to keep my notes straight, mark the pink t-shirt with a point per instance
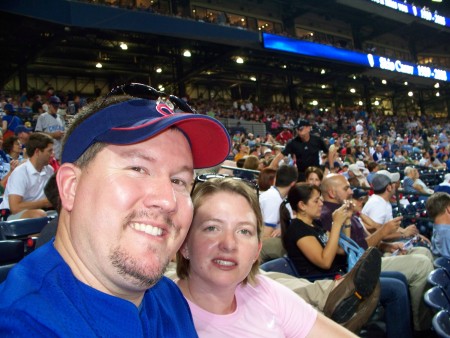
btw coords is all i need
(267, 310)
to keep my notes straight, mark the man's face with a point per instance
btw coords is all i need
(53, 108)
(341, 189)
(131, 211)
(304, 131)
(24, 137)
(45, 154)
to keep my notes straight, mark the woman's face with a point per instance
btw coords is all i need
(313, 207)
(222, 244)
(313, 179)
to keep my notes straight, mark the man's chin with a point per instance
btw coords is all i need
(143, 275)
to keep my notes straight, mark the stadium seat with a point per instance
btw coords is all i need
(22, 228)
(437, 299)
(442, 262)
(439, 277)
(11, 251)
(282, 264)
(441, 324)
(285, 265)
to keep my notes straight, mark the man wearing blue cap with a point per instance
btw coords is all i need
(124, 184)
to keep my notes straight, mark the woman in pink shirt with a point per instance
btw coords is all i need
(218, 271)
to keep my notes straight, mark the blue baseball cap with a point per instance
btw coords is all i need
(21, 128)
(9, 107)
(137, 120)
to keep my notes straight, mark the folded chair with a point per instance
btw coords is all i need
(439, 277)
(437, 299)
(441, 324)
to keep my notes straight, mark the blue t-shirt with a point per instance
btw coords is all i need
(408, 186)
(42, 298)
(440, 241)
(12, 122)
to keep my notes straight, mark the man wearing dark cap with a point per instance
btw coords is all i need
(304, 149)
(51, 124)
(124, 185)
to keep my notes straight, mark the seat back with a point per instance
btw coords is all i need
(442, 262)
(22, 228)
(11, 251)
(437, 299)
(441, 324)
(439, 277)
(282, 264)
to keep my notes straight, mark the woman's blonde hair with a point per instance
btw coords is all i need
(204, 190)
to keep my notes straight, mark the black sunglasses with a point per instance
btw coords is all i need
(143, 91)
(205, 177)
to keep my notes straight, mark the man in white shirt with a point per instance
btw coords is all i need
(24, 195)
(270, 202)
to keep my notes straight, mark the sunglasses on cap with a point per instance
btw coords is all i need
(143, 91)
(205, 177)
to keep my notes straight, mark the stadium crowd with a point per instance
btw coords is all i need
(343, 157)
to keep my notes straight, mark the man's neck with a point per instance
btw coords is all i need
(384, 196)
(283, 191)
(38, 166)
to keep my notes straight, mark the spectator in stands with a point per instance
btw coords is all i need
(356, 177)
(270, 200)
(444, 186)
(314, 175)
(373, 167)
(359, 128)
(23, 133)
(284, 136)
(243, 151)
(9, 121)
(251, 162)
(438, 209)
(378, 154)
(227, 295)
(304, 149)
(267, 157)
(412, 184)
(350, 155)
(387, 153)
(336, 191)
(129, 186)
(379, 209)
(443, 138)
(36, 107)
(52, 124)
(13, 149)
(24, 193)
(311, 249)
(425, 161)
(398, 157)
(266, 179)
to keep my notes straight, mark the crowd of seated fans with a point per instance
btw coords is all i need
(417, 154)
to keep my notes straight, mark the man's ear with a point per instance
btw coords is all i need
(67, 179)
